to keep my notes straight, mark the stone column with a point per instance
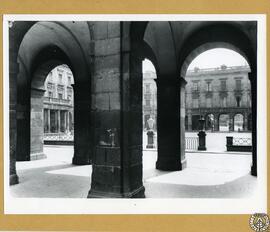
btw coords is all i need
(13, 72)
(49, 121)
(231, 122)
(245, 119)
(189, 121)
(117, 163)
(183, 83)
(253, 81)
(23, 117)
(44, 120)
(36, 151)
(58, 121)
(216, 122)
(68, 122)
(23, 131)
(82, 127)
(55, 121)
(168, 124)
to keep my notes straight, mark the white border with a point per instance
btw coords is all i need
(145, 206)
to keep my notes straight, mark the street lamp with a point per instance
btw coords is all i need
(201, 135)
(201, 123)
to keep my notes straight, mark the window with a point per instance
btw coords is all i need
(60, 77)
(238, 84)
(49, 85)
(223, 102)
(238, 100)
(195, 86)
(50, 76)
(60, 95)
(208, 86)
(208, 102)
(195, 103)
(69, 80)
(223, 85)
(50, 94)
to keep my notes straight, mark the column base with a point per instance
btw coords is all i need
(13, 179)
(81, 160)
(254, 170)
(23, 157)
(138, 193)
(37, 156)
(184, 164)
(166, 164)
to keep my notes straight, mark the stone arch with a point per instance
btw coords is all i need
(40, 46)
(162, 38)
(238, 36)
(224, 120)
(209, 121)
(238, 124)
(36, 101)
(204, 47)
(219, 35)
(17, 31)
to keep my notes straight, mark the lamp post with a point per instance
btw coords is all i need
(201, 135)
(150, 133)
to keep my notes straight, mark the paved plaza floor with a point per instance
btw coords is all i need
(208, 175)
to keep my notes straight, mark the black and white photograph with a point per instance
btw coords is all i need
(134, 114)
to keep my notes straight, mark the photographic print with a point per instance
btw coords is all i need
(134, 115)
(164, 113)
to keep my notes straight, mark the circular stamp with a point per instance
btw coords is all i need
(259, 222)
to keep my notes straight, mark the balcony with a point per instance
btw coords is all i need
(209, 94)
(195, 94)
(238, 92)
(57, 101)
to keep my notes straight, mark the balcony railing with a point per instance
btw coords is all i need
(192, 143)
(57, 101)
(219, 69)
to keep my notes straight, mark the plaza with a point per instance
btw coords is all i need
(214, 173)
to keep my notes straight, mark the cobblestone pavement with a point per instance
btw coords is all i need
(207, 175)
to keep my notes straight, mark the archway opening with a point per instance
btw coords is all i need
(224, 123)
(149, 108)
(58, 102)
(238, 122)
(52, 109)
(217, 95)
(217, 83)
(209, 122)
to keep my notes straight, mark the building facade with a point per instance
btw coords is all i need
(58, 101)
(221, 96)
(149, 98)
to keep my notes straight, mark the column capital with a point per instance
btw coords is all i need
(38, 90)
